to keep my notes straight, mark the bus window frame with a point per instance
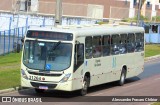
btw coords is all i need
(78, 63)
(89, 54)
(115, 44)
(97, 47)
(106, 45)
(123, 44)
(139, 46)
(131, 42)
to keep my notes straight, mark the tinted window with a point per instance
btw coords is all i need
(106, 45)
(88, 47)
(79, 54)
(97, 50)
(131, 42)
(139, 46)
(115, 42)
(123, 44)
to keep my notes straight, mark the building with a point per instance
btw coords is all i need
(117, 9)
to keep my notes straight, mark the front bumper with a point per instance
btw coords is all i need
(66, 86)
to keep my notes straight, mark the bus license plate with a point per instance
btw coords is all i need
(43, 87)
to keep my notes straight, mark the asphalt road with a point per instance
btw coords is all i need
(146, 84)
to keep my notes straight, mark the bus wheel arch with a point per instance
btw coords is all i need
(123, 75)
(87, 74)
(85, 84)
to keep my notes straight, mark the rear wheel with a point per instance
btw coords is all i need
(85, 86)
(39, 90)
(123, 77)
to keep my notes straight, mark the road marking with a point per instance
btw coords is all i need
(131, 85)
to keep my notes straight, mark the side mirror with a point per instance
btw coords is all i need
(22, 40)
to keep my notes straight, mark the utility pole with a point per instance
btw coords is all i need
(58, 14)
(139, 13)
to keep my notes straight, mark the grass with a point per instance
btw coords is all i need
(152, 49)
(10, 59)
(157, 103)
(10, 67)
(9, 78)
(10, 70)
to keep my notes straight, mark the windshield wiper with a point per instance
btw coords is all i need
(58, 43)
(46, 56)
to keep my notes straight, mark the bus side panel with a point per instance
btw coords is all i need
(139, 57)
(107, 71)
(77, 78)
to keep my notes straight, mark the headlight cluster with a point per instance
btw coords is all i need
(24, 74)
(65, 78)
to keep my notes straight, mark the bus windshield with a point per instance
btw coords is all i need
(40, 55)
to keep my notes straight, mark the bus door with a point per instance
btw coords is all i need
(78, 68)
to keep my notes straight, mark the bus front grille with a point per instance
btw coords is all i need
(43, 74)
(36, 85)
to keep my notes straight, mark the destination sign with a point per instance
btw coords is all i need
(50, 35)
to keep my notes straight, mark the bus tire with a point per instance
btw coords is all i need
(39, 90)
(122, 77)
(85, 85)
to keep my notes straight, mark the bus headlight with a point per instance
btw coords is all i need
(24, 74)
(65, 78)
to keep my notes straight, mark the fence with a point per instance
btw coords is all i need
(9, 35)
(10, 21)
(10, 38)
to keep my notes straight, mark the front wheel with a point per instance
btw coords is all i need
(85, 85)
(123, 77)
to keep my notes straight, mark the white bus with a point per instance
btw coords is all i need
(75, 58)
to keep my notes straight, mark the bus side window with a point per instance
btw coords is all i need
(97, 50)
(131, 42)
(123, 44)
(139, 42)
(26, 52)
(115, 42)
(106, 41)
(88, 47)
(80, 53)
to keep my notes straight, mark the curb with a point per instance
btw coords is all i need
(152, 58)
(9, 90)
(19, 88)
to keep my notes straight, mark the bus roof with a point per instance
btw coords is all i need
(92, 30)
